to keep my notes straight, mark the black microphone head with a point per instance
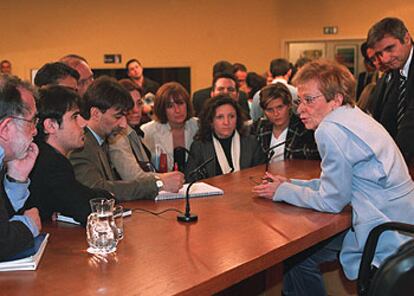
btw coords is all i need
(273, 147)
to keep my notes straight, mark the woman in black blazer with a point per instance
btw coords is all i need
(222, 135)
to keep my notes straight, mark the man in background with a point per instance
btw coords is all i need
(226, 84)
(79, 64)
(57, 74)
(149, 87)
(201, 96)
(394, 106)
(281, 71)
(17, 156)
(135, 72)
(240, 72)
(5, 67)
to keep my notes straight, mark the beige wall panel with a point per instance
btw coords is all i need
(178, 32)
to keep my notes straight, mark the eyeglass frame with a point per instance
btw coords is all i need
(307, 100)
(34, 121)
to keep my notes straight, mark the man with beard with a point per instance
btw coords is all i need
(105, 105)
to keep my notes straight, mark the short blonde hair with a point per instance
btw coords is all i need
(332, 79)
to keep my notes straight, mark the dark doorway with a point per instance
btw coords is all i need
(161, 75)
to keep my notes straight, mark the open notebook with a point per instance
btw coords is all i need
(199, 189)
(28, 259)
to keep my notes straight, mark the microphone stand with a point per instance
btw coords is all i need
(269, 152)
(269, 156)
(187, 217)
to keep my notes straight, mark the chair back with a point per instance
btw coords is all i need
(395, 276)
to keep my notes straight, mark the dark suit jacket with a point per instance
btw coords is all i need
(14, 235)
(92, 168)
(251, 154)
(53, 187)
(385, 111)
(201, 96)
(150, 86)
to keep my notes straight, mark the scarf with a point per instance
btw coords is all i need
(235, 154)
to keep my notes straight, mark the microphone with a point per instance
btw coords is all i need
(269, 152)
(187, 216)
(274, 146)
(198, 169)
(180, 157)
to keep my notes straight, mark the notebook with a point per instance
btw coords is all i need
(28, 259)
(199, 189)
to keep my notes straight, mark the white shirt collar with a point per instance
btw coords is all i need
(406, 68)
(281, 80)
(97, 137)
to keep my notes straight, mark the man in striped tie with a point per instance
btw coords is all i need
(393, 47)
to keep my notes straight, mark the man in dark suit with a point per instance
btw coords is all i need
(53, 185)
(392, 44)
(57, 74)
(226, 84)
(17, 156)
(105, 105)
(201, 96)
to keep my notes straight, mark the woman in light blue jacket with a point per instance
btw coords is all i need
(361, 165)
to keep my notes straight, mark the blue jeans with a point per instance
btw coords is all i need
(302, 276)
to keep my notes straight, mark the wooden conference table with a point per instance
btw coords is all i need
(237, 235)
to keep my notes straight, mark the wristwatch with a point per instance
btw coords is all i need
(159, 183)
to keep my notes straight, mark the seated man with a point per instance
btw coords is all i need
(105, 105)
(53, 185)
(17, 156)
(57, 74)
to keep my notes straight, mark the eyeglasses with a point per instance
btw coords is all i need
(32, 121)
(84, 81)
(307, 100)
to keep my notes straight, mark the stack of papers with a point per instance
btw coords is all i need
(198, 189)
(28, 259)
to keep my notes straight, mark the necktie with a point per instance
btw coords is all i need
(402, 100)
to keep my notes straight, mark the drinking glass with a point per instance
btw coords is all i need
(101, 231)
(119, 221)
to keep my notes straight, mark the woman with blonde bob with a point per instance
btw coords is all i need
(361, 165)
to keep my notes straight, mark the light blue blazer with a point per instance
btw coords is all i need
(363, 166)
